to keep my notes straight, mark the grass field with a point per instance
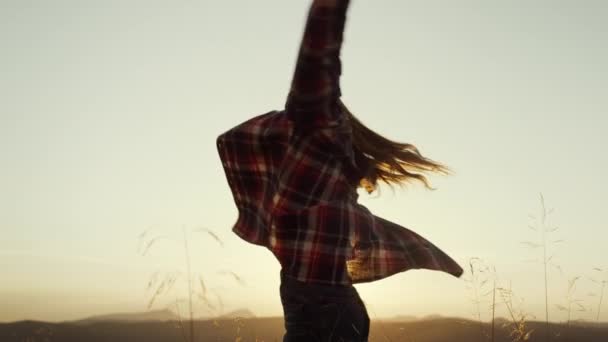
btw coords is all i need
(271, 329)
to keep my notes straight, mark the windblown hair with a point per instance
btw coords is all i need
(382, 159)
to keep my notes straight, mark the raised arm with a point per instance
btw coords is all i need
(315, 88)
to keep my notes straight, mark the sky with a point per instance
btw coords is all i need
(109, 111)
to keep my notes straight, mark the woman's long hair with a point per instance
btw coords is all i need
(381, 159)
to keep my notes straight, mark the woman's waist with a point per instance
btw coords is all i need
(326, 288)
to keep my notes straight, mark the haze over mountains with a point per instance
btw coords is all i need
(160, 315)
(243, 313)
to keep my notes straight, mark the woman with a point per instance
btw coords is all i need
(294, 176)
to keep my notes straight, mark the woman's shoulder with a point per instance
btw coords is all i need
(268, 123)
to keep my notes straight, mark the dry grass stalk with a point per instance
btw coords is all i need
(571, 301)
(481, 282)
(181, 327)
(239, 326)
(542, 226)
(493, 331)
(519, 329)
(602, 284)
(160, 287)
(161, 283)
(189, 275)
(210, 233)
(234, 276)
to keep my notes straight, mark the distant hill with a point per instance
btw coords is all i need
(240, 313)
(159, 315)
(130, 327)
(400, 318)
(412, 318)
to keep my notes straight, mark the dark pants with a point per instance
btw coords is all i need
(322, 313)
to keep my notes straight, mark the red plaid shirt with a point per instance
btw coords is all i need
(294, 180)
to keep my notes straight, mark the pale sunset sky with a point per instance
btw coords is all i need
(109, 111)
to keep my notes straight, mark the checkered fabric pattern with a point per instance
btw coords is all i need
(294, 179)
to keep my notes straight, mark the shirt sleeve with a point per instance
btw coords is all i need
(315, 88)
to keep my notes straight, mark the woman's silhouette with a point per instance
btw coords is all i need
(294, 176)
